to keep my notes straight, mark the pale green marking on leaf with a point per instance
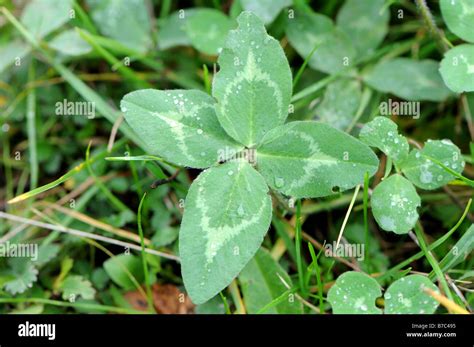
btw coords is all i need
(218, 236)
(261, 283)
(340, 103)
(457, 68)
(207, 30)
(365, 22)
(406, 296)
(267, 10)
(409, 79)
(382, 133)
(179, 125)
(354, 293)
(334, 48)
(310, 159)
(227, 213)
(424, 173)
(459, 17)
(253, 86)
(394, 204)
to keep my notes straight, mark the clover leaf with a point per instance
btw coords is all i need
(424, 172)
(253, 86)
(407, 296)
(240, 137)
(308, 30)
(382, 133)
(394, 202)
(409, 79)
(457, 68)
(459, 16)
(365, 22)
(354, 293)
(267, 10)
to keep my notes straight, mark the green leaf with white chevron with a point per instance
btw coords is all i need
(179, 125)
(311, 159)
(253, 86)
(227, 213)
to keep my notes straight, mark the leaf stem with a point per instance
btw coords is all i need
(144, 262)
(299, 262)
(365, 200)
(431, 247)
(430, 23)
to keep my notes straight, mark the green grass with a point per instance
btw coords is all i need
(47, 159)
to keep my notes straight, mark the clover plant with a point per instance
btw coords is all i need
(239, 136)
(356, 293)
(395, 201)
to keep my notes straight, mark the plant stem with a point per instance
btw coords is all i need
(235, 292)
(366, 219)
(432, 261)
(430, 23)
(31, 127)
(144, 263)
(431, 247)
(299, 262)
(102, 308)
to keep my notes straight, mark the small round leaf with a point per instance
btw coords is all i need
(394, 203)
(406, 296)
(354, 293)
(459, 17)
(457, 68)
(383, 134)
(426, 174)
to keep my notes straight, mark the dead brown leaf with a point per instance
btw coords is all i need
(167, 299)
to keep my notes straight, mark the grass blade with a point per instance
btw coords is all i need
(143, 256)
(64, 177)
(31, 127)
